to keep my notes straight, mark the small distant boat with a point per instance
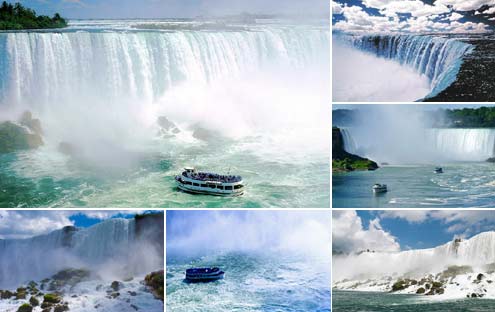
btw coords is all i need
(204, 274)
(380, 188)
(438, 170)
(196, 182)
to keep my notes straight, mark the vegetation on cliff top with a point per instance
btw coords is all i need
(344, 161)
(17, 17)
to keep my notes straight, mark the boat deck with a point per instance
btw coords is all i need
(206, 176)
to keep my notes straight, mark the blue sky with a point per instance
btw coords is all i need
(172, 8)
(28, 223)
(413, 16)
(406, 229)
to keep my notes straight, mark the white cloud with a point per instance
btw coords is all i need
(337, 8)
(490, 11)
(413, 216)
(348, 234)
(466, 5)
(455, 16)
(465, 223)
(424, 18)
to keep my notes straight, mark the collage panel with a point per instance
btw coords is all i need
(413, 156)
(413, 51)
(116, 113)
(226, 260)
(81, 260)
(413, 260)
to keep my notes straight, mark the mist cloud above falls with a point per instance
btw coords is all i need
(399, 134)
(201, 233)
(359, 76)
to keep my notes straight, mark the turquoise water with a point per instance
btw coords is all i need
(470, 184)
(252, 282)
(348, 301)
(255, 89)
(44, 178)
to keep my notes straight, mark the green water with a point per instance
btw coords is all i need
(145, 178)
(350, 301)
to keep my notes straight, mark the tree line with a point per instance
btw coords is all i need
(17, 17)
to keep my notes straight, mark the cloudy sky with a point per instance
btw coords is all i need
(173, 8)
(414, 16)
(28, 223)
(393, 230)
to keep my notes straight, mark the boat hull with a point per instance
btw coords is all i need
(190, 188)
(197, 279)
(204, 192)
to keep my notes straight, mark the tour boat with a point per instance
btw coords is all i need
(196, 182)
(204, 274)
(438, 170)
(380, 188)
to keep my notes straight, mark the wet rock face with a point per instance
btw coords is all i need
(167, 127)
(6, 294)
(69, 277)
(16, 138)
(116, 285)
(68, 234)
(33, 124)
(476, 78)
(156, 282)
(149, 228)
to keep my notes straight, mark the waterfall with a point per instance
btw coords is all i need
(45, 70)
(464, 144)
(437, 58)
(452, 144)
(107, 88)
(111, 241)
(350, 145)
(477, 252)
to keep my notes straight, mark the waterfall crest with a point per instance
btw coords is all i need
(440, 143)
(41, 69)
(437, 58)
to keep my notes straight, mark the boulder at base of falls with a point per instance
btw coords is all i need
(204, 134)
(6, 294)
(156, 282)
(69, 277)
(167, 128)
(14, 138)
(33, 124)
(344, 161)
(25, 308)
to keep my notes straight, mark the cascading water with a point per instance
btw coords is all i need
(350, 145)
(47, 71)
(111, 241)
(442, 143)
(247, 90)
(437, 58)
(464, 144)
(477, 251)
